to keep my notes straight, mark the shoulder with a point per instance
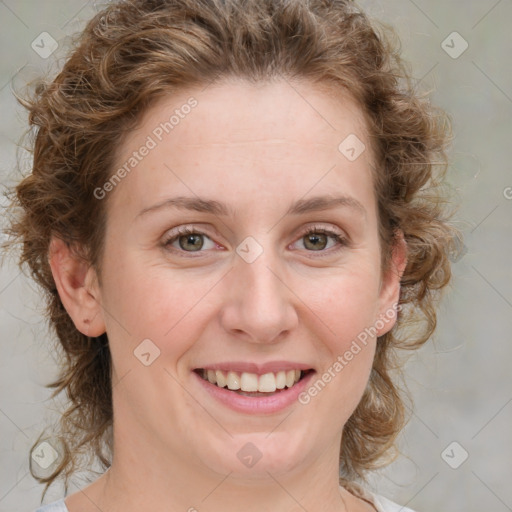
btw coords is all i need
(380, 503)
(56, 506)
(384, 505)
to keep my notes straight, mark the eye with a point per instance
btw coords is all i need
(315, 239)
(319, 239)
(188, 240)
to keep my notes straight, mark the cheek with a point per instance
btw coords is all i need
(347, 303)
(151, 302)
(347, 306)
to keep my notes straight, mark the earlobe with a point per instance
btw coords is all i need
(390, 286)
(78, 288)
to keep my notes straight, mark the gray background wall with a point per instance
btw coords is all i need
(461, 383)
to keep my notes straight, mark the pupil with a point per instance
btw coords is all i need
(317, 241)
(195, 242)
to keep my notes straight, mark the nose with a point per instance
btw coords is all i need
(260, 305)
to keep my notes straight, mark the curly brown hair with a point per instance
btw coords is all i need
(135, 52)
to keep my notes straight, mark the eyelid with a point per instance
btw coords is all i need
(340, 237)
(318, 228)
(173, 234)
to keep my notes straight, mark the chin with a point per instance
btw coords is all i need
(252, 456)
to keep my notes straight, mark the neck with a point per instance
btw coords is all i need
(146, 477)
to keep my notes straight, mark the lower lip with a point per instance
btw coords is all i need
(256, 405)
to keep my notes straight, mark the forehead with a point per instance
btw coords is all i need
(235, 111)
(287, 133)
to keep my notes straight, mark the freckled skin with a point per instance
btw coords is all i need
(258, 149)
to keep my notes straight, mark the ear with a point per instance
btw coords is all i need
(389, 294)
(78, 288)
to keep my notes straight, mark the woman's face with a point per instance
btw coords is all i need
(209, 271)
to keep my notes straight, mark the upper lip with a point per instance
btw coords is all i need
(257, 368)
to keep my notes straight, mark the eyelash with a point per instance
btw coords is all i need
(184, 231)
(337, 237)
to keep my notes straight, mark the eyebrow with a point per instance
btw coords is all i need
(320, 203)
(300, 207)
(196, 204)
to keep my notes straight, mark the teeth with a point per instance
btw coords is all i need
(267, 383)
(233, 381)
(290, 378)
(221, 379)
(280, 380)
(251, 382)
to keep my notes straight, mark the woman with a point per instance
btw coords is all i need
(234, 212)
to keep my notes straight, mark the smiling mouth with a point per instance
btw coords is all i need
(252, 384)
